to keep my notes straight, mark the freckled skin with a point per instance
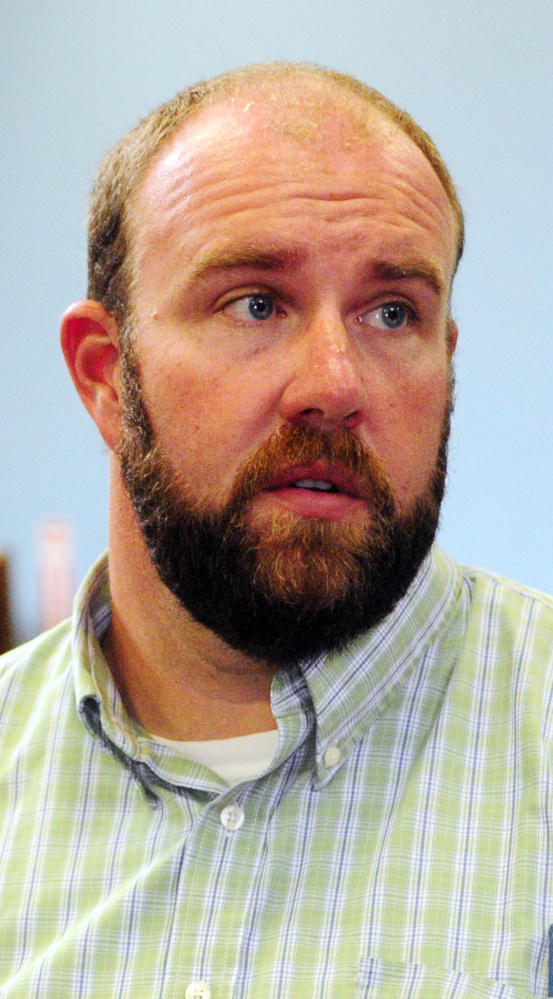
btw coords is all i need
(218, 383)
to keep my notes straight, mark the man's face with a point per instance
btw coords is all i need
(291, 333)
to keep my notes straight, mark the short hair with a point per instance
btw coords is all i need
(123, 169)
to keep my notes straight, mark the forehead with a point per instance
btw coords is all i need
(244, 170)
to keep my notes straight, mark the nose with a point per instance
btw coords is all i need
(326, 386)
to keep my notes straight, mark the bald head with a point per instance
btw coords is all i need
(307, 103)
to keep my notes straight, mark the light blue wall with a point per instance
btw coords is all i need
(476, 73)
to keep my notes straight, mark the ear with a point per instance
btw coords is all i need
(90, 344)
(452, 334)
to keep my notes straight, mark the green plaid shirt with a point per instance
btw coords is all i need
(399, 845)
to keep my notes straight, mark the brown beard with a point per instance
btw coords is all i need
(281, 589)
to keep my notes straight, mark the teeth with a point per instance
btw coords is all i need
(321, 484)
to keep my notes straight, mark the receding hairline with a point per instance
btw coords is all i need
(297, 111)
(362, 109)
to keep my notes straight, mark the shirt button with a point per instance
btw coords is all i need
(332, 756)
(232, 817)
(198, 990)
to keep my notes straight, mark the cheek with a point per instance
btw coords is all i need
(412, 429)
(207, 418)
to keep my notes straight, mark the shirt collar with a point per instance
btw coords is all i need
(341, 695)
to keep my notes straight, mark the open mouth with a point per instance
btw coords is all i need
(319, 477)
(318, 490)
(317, 485)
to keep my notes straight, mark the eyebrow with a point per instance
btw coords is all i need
(269, 259)
(278, 259)
(423, 270)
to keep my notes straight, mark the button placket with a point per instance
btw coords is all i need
(198, 990)
(332, 756)
(232, 817)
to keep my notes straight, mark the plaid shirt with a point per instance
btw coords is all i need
(398, 847)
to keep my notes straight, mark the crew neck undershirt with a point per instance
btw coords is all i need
(240, 758)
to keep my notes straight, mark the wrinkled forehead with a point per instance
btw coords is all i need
(317, 117)
(302, 136)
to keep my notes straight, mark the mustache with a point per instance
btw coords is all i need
(302, 444)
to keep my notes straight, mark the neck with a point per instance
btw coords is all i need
(177, 679)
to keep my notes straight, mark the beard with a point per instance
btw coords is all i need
(281, 589)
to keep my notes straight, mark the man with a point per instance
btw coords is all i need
(286, 747)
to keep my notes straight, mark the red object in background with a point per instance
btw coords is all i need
(6, 633)
(56, 571)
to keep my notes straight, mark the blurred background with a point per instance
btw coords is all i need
(477, 74)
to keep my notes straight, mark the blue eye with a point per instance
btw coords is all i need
(260, 306)
(394, 315)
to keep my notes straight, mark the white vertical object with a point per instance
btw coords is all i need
(56, 571)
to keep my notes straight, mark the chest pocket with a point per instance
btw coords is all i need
(378, 979)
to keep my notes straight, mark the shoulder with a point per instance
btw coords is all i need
(495, 596)
(38, 652)
(56, 655)
(508, 637)
(493, 609)
(28, 672)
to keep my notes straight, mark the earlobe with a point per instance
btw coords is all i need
(452, 334)
(90, 344)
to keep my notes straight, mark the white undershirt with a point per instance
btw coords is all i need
(241, 758)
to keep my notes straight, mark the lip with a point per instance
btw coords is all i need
(344, 481)
(349, 503)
